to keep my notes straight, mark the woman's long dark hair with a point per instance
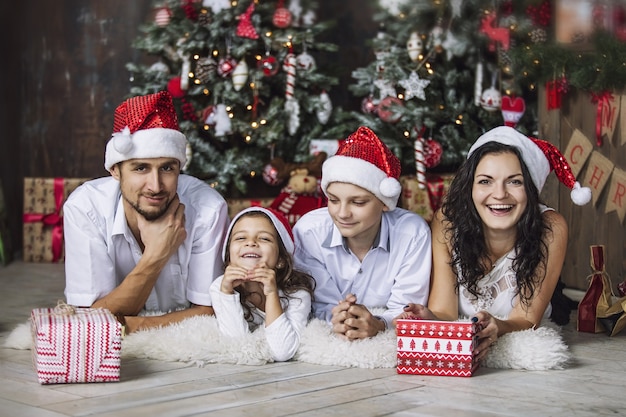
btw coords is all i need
(288, 279)
(464, 228)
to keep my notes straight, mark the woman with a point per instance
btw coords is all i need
(497, 251)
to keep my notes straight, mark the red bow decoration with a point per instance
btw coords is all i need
(601, 99)
(245, 29)
(54, 219)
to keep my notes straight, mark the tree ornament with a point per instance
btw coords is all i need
(188, 111)
(289, 66)
(414, 86)
(216, 6)
(205, 67)
(226, 66)
(305, 62)
(324, 108)
(222, 121)
(455, 5)
(282, 16)
(495, 34)
(208, 115)
(432, 153)
(478, 83)
(538, 35)
(292, 107)
(435, 40)
(491, 99)
(296, 12)
(204, 17)
(245, 29)
(368, 106)
(414, 46)
(512, 110)
(162, 16)
(240, 75)
(420, 167)
(270, 175)
(385, 88)
(173, 87)
(190, 10)
(268, 65)
(389, 109)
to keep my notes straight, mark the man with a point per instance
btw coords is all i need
(147, 237)
(363, 251)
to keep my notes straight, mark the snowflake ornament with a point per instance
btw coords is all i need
(414, 86)
(386, 88)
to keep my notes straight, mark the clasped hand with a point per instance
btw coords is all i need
(236, 275)
(354, 321)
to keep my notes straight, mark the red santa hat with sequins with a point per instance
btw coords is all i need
(146, 127)
(540, 158)
(278, 219)
(363, 160)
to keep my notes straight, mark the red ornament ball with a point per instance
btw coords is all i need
(388, 109)
(270, 175)
(281, 18)
(226, 66)
(269, 65)
(432, 153)
(368, 106)
(173, 87)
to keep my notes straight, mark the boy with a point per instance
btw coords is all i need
(363, 251)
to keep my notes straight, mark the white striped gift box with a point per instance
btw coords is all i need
(74, 344)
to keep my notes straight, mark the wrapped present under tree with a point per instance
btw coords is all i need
(43, 217)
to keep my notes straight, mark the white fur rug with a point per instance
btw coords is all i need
(197, 340)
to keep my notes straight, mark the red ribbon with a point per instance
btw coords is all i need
(53, 219)
(600, 99)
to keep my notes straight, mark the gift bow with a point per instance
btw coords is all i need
(54, 219)
(600, 99)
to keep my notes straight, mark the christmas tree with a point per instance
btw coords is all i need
(244, 79)
(443, 73)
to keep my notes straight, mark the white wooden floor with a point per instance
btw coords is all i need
(594, 385)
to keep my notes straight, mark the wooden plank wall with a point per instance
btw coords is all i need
(588, 225)
(63, 74)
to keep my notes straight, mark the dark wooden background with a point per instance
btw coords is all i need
(63, 74)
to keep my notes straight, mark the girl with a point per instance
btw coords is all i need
(497, 251)
(259, 285)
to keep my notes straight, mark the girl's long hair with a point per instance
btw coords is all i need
(464, 229)
(288, 279)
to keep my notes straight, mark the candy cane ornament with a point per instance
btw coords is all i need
(290, 69)
(292, 107)
(419, 163)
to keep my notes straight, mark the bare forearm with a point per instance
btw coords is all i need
(130, 296)
(134, 323)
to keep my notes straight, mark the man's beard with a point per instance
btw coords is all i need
(149, 215)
